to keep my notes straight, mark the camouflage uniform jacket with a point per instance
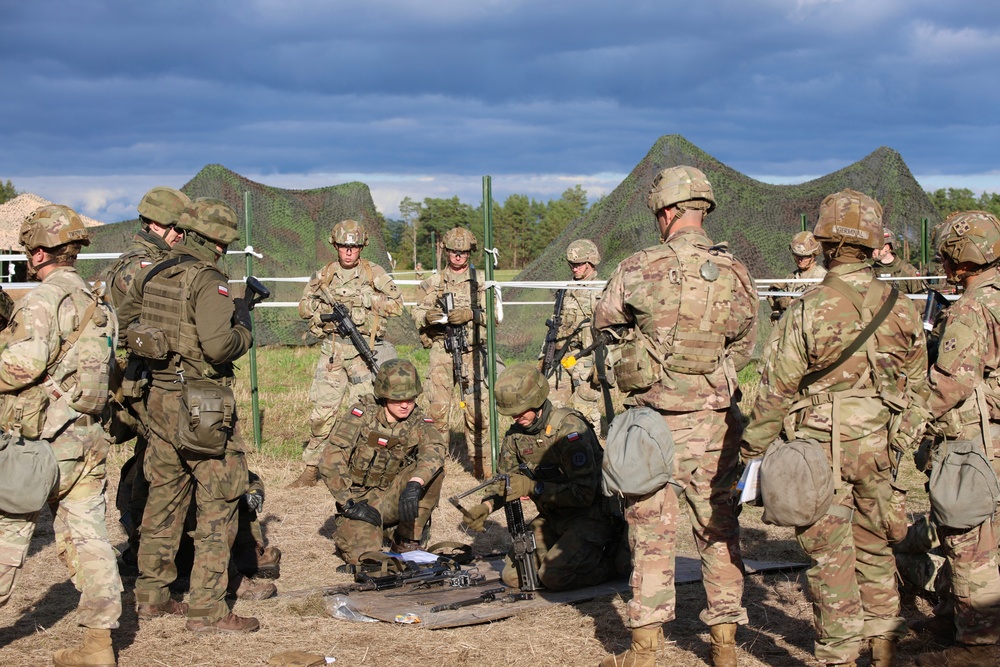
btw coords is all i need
(642, 291)
(562, 451)
(578, 307)
(781, 303)
(897, 268)
(811, 336)
(460, 286)
(367, 291)
(30, 346)
(146, 248)
(365, 452)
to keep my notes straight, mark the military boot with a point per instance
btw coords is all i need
(642, 652)
(245, 588)
(724, 645)
(883, 652)
(96, 651)
(230, 623)
(961, 656)
(309, 477)
(151, 610)
(268, 562)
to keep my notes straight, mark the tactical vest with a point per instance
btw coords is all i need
(368, 322)
(377, 453)
(166, 305)
(532, 447)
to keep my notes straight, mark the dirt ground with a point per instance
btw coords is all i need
(40, 616)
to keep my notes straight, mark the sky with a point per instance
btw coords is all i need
(103, 99)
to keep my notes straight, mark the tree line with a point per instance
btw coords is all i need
(950, 200)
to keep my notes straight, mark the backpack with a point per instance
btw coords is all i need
(796, 483)
(639, 455)
(963, 486)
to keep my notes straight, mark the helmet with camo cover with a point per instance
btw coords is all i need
(51, 226)
(212, 218)
(888, 238)
(678, 185)
(851, 218)
(804, 244)
(397, 380)
(349, 232)
(163, 205)
(521, 388)
(583, 250)
(970, 236)
(459, 238)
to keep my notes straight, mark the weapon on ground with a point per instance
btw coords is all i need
(552, 335)
(460, 579)
(484, 597)
(346, 328)
(455, 342)
(367, 582)
(524, 547)
(257, 292)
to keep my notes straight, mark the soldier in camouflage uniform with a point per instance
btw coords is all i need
(6, 309)
(384, 465)
(29, 362)
(693, 306)
(372, 297)
(890, 265)
(966, 375)
(185, 298)
(805, 251)
(852, 581)
(575, 532)
(457, 279)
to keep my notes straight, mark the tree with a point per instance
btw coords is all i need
(7, 191)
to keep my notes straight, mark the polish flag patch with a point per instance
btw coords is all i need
(382, 442)
(357, 412)
(573, 436)
(223, 290)
(428, 420)
(143, 265)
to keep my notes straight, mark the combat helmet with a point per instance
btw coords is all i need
(583, 250)
(970, 236)
(888, 237)
(851, 218)
(681, 184)
(163, 205)
(51, 226)
(521, 388)
(349, 232)
(397, 380)
(212, 218)
(804, 244)
(459, 238)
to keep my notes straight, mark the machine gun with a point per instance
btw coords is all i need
(455, 342)
(257, 292)
(346, 328)
(552, 335)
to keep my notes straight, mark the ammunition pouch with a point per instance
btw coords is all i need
(147, 341)
(206, 417)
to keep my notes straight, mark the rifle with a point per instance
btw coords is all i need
(936, 304)
(486, 596)
(346, 328)
(524, 547)
(602, 379)
(367, 582)
(552, 335)
(460, 579)
(257, 292)
(601, 338)
(455, 342)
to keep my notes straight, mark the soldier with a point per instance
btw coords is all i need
(38, 378)
(371, 297)
(6, 309)
(963, 378)
(852, 581)
(805, 250)
(191, 331)
(890, 265)
(468, 291)
(693, 306)
(576, 534)
(384, 465)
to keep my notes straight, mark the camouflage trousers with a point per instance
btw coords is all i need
(572, 551)
(919, 560)
(852, 578)
(216, 485)
(81, 534)
(440, 395)
(353, 538)
(705, 462)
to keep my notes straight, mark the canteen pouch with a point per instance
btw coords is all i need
(28, 473)
(963, 487)
(206, 417)
(147, 341)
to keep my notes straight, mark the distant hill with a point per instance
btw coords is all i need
(757, 219)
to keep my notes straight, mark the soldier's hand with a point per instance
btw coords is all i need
(254, 500)
(460, 316)
(519, 486)
(434, 316)
(362, 512)
(241, 312)
(476, 519)
(409, 501)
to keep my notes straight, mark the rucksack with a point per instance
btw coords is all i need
(796, 483)
(639, 455)
(963, 487)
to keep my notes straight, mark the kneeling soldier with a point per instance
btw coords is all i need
(384, 465)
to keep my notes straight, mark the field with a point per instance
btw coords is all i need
(39, 617)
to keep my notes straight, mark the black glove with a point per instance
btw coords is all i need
(241, 314)
(254, 500)
(362, 512)
(408, 501)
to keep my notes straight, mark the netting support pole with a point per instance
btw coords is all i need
(491, 343)
(254, 387)
(804, 223)
(925, 244)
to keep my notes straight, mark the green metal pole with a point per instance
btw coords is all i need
(254, 387)
(925, 244)
(804, 222)
(491, 345)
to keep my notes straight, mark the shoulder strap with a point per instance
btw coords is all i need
(166, 264)
(71, 339)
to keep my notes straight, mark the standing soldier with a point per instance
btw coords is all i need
(821, 388)
(384, 465)
(691, 309)
(190, 331)
(890, 265)
(805, 250)
(466, 320)
(44, 363)
(371, 296)
(965, 378)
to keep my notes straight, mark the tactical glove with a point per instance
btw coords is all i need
(408, 502)
(362, 512)
(519, 487)
(241, 313)
(460, 316)
(434, 316)
(476, 519)
(254, 500)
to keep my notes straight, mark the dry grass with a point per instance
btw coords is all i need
(39, 618)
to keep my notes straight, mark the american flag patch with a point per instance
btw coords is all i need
(357, 412)
(428, 420)
(382, 442)
(573, 436)
(223, 290)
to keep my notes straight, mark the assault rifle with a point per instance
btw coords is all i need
(455, 342)
(256, 291)
(552, 335)
(346, 328)
(440, 572)
(486, 596)
(936, 304)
